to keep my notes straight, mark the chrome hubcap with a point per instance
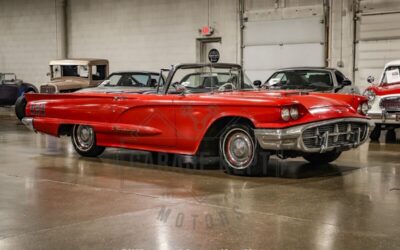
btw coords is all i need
(238, 149)
(84, 137)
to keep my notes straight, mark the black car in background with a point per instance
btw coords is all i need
(318, 79)
(128, 81)
(11, 88)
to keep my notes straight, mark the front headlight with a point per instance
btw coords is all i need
(370, 95)
(285, 114)
(363, 108)
(294, 113)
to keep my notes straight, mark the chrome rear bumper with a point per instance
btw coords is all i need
(28, 122)
(292, 138)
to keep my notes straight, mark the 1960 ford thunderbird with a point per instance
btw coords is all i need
(207, 110)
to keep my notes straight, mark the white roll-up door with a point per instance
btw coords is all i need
(378, 36)
(274, 44)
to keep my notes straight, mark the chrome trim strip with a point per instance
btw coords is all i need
(291, 138)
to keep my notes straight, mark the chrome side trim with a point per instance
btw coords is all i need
(291, 138)
(28, 122)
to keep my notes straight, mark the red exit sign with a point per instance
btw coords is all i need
(206, 31)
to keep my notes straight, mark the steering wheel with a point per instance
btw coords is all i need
(223, 86)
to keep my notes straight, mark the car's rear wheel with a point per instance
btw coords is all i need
(84, 141)
(240, 153)
(20, 106)
(322, 158)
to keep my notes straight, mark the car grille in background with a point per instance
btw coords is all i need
(337, 134)
(391, 104)
(47, 89)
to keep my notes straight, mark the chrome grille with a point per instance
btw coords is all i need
(390, 103)
(47, 89)
(335, 135)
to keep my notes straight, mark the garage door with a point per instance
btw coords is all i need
(270, 45)
(378, 37)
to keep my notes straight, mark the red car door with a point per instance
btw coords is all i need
(145, 120)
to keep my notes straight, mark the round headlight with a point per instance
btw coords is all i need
(285, 114)
(294, 113)
(363, 108)
(370, 95)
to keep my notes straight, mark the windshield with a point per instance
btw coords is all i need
(207, 78)
(391, 75)
(316, 80)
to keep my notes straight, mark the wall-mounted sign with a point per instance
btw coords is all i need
(213, 55)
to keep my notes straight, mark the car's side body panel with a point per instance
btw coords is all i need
(177, 123)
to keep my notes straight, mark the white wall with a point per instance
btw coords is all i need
(27, 38)
(148, 35)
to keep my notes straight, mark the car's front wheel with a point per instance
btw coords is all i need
(240, 153)
(322, 158)
(84, 140)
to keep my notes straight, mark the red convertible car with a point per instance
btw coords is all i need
(207, 110)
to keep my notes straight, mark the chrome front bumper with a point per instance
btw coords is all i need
(28, 122)
(385, 117)
(292, 138)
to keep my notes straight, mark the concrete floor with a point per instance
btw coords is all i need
(50, 198)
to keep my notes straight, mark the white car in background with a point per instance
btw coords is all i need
(384, 101)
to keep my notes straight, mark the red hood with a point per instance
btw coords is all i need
(387, 89)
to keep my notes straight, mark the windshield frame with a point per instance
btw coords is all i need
(231, 66)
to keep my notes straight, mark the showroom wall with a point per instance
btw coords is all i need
(137, 34)
(149, 35)
(27, 37)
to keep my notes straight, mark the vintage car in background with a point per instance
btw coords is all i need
(69, 75)
(128, 82)
(207, 110)
(384, 100)
(318, 79)
(11, 88)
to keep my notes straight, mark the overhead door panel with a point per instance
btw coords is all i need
(270, 45)
(378, 43)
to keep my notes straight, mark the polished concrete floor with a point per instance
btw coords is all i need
(50, 198)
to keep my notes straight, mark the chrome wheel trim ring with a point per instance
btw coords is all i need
(84, 137)
(238, 148)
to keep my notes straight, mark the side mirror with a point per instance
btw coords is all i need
(48, 74)
(371, 79)
(257, 83)
(181, 89)
(345, 82)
